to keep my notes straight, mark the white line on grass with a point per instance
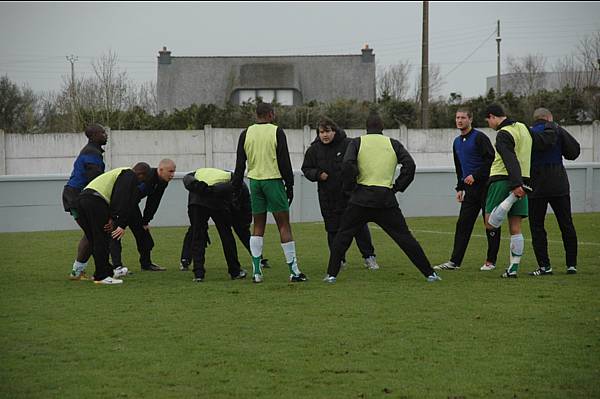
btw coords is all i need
(483, 236)
(477, 235)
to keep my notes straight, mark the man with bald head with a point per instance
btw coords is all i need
(153, 189)
(551, 187)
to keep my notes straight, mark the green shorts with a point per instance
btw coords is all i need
(497, 192)
(74, 213)
(268, 196)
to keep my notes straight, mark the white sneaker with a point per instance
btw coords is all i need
(487, 267)
(257, 278)
(329, 279)
(120, 271)
(109, 281)
(371, 263)
(447, 266)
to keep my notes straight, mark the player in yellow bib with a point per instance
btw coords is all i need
(509, 177)
(263, 146)
(370, 166)
(105, 206)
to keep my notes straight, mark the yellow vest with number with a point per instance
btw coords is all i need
(212, 176)
(261, 150)
(376, 160)
(523, 143)
(105, 183)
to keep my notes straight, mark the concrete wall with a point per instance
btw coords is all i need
(33, 203)
(54, 153)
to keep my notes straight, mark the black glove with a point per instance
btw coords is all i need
(290, 194)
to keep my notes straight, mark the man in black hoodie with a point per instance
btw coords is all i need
(323, 164)
(551, 186)
(370, 163)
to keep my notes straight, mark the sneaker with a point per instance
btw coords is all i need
(487, 267)
(265, 263)
(447, 266)
(297, 278)
(371, 263)
(153, 268)
(109, 281)
(257, 278)
(329, 279)
(541, 271)
(78, 276)
(184, 265)
(197, 279)
(120, 271)
(508, 274)
(433, 278)
(240, 276)
(571, 270)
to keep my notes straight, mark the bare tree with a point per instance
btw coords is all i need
(112, 85)
(569, 73)
(527, 75)
(589, 59)
(147, 97)
(436, 82)
(393, 80)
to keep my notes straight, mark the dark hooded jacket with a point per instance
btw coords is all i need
(548, 175)
(328, 158)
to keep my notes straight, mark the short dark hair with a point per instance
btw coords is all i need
(326, 122)
(494, 109)
(93, 129)
(141, 167)
(374, 123)
(466, 111)
(263, 109)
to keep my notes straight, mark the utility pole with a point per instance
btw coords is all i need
(73, 59)
(425, 68)
(498, 39)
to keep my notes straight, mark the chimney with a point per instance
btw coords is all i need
(164, 56)
(367, 54)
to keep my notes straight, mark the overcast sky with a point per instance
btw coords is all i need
(36, 37)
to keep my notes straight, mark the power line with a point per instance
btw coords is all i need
(469, 56)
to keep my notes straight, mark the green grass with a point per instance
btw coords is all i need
(374, 334)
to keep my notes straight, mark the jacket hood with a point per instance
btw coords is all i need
(339, 136)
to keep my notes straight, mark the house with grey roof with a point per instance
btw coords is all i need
(288, 80)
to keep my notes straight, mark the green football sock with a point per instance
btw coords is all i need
(256, 269)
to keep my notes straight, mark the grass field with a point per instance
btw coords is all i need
(373, 334)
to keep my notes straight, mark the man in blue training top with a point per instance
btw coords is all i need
(88, 165)
(473, 156)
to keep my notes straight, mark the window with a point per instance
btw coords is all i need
(282, 96)
(247, 95)
(267, 95)
(285, 97)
